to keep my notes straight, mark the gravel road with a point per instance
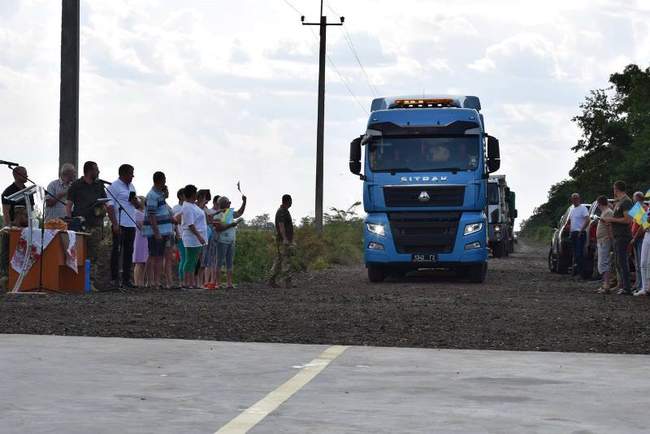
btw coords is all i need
(521, 306)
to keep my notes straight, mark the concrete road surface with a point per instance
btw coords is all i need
(52, 384)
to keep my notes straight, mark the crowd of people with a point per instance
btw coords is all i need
(154, 245)
(621, 239)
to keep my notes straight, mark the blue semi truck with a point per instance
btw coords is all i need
(425, 170)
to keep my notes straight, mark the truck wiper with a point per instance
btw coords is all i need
(400, 169)
(447, 169)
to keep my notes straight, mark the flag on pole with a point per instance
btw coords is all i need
(239, 188)
(647, 194)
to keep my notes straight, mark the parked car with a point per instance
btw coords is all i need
(560, 254)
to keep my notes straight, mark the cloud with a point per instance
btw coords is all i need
(293, 51)
(368, 47)
(215, 92)
(527, 55)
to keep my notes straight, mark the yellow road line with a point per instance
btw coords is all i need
(262, 408)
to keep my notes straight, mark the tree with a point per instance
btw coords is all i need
(614, 144)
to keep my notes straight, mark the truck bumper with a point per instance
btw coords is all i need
(467, 249)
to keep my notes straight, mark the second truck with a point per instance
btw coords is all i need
(501, 216)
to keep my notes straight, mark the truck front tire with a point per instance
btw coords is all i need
(376, 273)
(477, 272)
(498, 249)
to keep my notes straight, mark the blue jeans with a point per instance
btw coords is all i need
(225, 255)
(578, 239)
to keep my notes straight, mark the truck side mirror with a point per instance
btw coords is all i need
(515, 214)
(355, 156)
(494, 155)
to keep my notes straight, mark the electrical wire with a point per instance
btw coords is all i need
(348, 40)
(293, 7)
(345, 82)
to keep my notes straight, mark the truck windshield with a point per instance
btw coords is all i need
(493, 193)
(423, 154)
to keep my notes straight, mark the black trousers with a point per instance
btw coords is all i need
(122, 246)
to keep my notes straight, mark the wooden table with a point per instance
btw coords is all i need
(56, 275)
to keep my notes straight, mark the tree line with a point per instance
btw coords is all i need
(614, 144)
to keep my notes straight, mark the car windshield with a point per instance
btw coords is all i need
(424, 154)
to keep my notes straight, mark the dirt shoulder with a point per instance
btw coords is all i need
(521, 306)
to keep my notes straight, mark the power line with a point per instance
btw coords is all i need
(347, 86)
(345, 82)
(292, 7)
(348, 40)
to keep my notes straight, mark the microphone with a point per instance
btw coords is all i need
(9, 163)
(104, 182)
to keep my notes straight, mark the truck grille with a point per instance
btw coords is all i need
(438, 195)
(432, 232)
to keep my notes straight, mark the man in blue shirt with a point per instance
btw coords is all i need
(157, 225)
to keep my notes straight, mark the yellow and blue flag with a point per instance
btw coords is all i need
(227, 216)
(640, 215)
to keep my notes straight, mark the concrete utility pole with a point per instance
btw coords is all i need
(321, 112)
(69, 97)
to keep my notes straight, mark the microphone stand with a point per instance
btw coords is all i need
(12, 167)
(119, 224)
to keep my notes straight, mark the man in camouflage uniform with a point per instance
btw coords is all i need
(282, 267)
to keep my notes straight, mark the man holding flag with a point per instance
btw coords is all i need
(621, 222)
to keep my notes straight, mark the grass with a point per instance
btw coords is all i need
(340, 244)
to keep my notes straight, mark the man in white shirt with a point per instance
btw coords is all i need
(121, 211)
(58, 192)
(579, 219)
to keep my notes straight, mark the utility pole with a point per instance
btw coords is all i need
(69, 96)
(321, 112)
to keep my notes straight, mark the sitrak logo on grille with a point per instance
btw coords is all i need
(423, 179)
(424, 197)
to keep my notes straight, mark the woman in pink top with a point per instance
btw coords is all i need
(140, 248)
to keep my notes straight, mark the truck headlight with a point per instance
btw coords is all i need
(497, 229)
(376, 228)
(473, 228)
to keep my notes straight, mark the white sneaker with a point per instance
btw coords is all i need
(641, 292)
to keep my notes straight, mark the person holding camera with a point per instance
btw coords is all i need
(121, 211)
(157, 226)
(225, 223)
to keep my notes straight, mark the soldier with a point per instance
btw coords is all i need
(284, 245)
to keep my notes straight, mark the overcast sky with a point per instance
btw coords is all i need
(213, 91)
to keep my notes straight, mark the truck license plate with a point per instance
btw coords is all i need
(424, 258)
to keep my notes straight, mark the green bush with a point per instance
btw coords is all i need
(340, 244)
(254, 255)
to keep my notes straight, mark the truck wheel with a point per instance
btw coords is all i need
(376, 273)
(497, 249)
(477, 272)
